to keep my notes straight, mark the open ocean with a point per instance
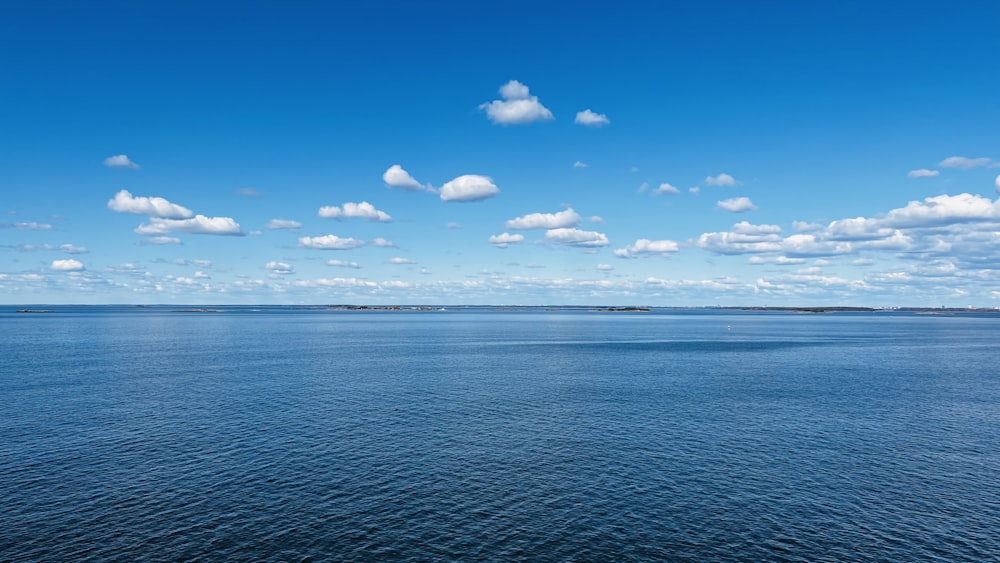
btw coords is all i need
(295, 434)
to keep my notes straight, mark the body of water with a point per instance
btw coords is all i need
(284, 434)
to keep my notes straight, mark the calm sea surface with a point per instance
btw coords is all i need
(282, 434)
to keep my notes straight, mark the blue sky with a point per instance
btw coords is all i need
(657, 153)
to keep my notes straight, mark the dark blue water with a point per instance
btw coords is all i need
(294, 435)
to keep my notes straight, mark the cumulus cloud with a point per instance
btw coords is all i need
(723, 179)
(120, 161)
(666, 188)
(736, 205)
(363, 210)
(576, 237)
(922, 173)
(399, 260)
(396, 177)
(343, 264)
(517, 107)
(69, 265)
(469, 187)
(967, 163)
(283, 224)
(124, 202)
(565, 218)
(279, 268)
(596, 219)
(506, 239)
(383, 243)
(197, 225)
(646, 247)
(579, 164)
(330, 242)
(605, 267)
(591, 119)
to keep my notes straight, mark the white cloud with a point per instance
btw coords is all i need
(197, 225)
(596, 219)
(399, 260)
(330, 242)
(67, 265)
(576, 237)
(383, 243)
(747, 228)
(283, 224)
(941, 210)
(967, 163)
(591, 119)
(922, 173)
(506, 239)
(779, 260)
(646, 247)
(249, 192)
(67, 248)
(517, 107)
(343, 264)
(565, 218)
(28, 226)
(469, 187)
(199, 275)
(605, 267)
(695, 190)
(723, 179)
(124, 202)
(162, 240)
(666, 188)
(396, 177)
(363, 210)
(120, 161)
(736, 205)
(279, 268)
(579, 164)
(996, 182)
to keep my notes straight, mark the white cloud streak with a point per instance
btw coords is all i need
(125, 202)
(965, 163)
(646, 247)
(565, 218)
(576, 237)
(274, 224)
(506, 239)
(330, 242)
(67, 265)
(922, 173)
(197, 225)
(363, 210)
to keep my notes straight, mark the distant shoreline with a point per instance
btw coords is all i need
(511, 308)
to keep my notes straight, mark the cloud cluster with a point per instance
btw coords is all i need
(363, 210)
(517, 107)
(565, 218)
